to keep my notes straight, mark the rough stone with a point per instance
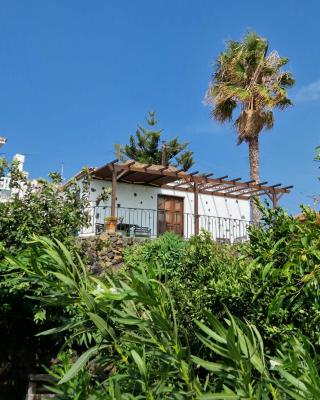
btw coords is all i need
(104, 252)
(95, 269)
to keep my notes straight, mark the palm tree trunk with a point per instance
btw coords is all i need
(254, 174)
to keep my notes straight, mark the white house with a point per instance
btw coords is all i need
(153, 199)
(5, 190)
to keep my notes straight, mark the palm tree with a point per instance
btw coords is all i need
(251, 82)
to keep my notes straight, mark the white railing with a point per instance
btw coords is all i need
(222, 229)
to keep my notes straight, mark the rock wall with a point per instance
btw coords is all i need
(105, 252)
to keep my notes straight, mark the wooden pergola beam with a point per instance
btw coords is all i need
(113, 192)
(223, 189)
(254, 188)
(126, 172)
(237, 189)
(181, 174)
(216, 184)
(204, 179)
(181, 184)
(155, 179)
(229, 188)
(274, 200)
(196, 207)
(255, 193)
(191, 190)
(159, 171)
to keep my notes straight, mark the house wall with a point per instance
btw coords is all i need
(134, 196)
(139, 196)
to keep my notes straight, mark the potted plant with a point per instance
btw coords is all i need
(111, 224)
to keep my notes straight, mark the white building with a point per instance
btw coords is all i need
(5, 190)
(153, 199)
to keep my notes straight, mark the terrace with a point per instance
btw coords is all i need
(152, 222)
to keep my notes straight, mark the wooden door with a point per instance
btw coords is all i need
(170, 214)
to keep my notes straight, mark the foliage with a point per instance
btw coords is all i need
(147, 148)
(285, 280)
(317, 153)
(129, 317)
(82, 387)
(142, 347)
(183, 320)
(209, 278)
(249, 81)
(41, 207)
(247, 76)
(271, 281)
(165, 255)
(244, 370)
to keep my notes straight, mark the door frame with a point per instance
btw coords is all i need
(181, 198)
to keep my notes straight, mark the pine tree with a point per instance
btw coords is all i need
(148, 148)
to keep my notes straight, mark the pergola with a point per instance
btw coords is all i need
(169, 177)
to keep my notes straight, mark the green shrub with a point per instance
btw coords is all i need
(50, 209)
(272, 281)
(142, 348)
(285, 276)
(210, 278)
(165, 255)
(84, 386)
(45, 208)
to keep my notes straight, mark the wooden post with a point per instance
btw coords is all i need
(196, 207)
(274, 200)
(114, 192)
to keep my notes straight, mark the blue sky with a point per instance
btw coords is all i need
(78, 76)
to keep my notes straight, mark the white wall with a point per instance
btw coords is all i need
(139, 196)
(145, 197)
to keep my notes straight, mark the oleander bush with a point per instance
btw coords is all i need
(42, 207)
(272, 281)
(166, 255)
(131, 343)
(210, 278)
(285, 277)
(184, 319)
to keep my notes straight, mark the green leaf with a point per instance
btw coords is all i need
(221, 396)
(80, 363)
(140, 363)
(61, 328)
(65, 279)
(211, 333)
(101, 324)
(266, 269)
(210, 366)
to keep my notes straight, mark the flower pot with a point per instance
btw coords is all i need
(111, 224)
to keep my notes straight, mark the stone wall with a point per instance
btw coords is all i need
(105, 252)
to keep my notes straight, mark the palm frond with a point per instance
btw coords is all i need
(247, 76)
(223, 111)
